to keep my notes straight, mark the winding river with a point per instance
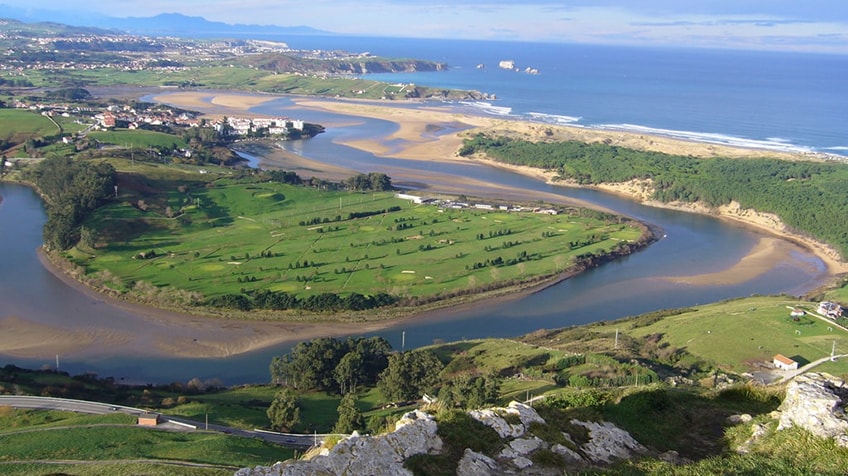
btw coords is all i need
(30, 296)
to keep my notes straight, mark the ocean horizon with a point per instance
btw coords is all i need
(790, 101)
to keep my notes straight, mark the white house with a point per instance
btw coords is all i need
(784, 363)
(830, 309)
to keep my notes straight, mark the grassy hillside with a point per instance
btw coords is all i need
(18, 125)
(138, 139)
(734, 336)
(114, 444)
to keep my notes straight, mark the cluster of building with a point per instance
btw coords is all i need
(457, 205)
(830, 309)
(243, 126)
(240, 126)
(133, 119)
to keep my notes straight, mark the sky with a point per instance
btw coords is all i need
(808, 25)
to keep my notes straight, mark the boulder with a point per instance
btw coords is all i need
(816, 402)
(494, 417)
(608, 442)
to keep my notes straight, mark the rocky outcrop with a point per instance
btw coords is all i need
(816, 402)
(416, 434)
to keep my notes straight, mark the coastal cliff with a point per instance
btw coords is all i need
(343, 66)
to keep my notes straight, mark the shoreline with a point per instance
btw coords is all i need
(639, 191)
(224, 336)
(633, 190)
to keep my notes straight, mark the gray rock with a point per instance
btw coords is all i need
(608, 442)
(816, 402)
(493, 417)
(476, 464)
(737, 419)
(570, 455)
(525, 446)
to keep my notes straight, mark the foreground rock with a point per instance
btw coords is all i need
(816, 402)
(416, 433)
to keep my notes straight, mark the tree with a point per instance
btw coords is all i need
(280, 369)
(313, 363)
(88, 237)
(469, 392)
(350, 372)
(350, 418)
(284, 412)
(375, 355)
(410, 374)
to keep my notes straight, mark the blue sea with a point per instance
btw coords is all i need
(781, 101)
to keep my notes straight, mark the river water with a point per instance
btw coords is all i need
(693, 245)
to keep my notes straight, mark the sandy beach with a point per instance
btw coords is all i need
(423, 133)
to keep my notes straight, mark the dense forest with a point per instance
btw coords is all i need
(811, 197)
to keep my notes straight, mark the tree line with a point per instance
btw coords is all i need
(73, 189)
(810, 197)
(346, 366)
(281, 301)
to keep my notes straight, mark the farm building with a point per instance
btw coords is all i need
(784, 363)
(148, 419)
(797, 312)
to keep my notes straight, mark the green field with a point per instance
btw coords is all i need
(113, 444)
(220, 236)
(18, 125)
(739, 334)
(237, 77)
(138, 138)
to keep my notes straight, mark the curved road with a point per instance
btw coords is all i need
(169, 423)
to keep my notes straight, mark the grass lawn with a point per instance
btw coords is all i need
(225, 236)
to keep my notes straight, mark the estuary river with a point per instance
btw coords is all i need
(30, 296)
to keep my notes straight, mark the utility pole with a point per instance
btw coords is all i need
(616, 340)
(57, 361)
(832, 353)
(207, 421)
(402, 341)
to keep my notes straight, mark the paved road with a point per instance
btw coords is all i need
(170, 423)
(790, 374)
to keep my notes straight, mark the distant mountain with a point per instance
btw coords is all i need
(176, 24)
(165, 24)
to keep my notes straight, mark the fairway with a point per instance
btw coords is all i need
(229, 237)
